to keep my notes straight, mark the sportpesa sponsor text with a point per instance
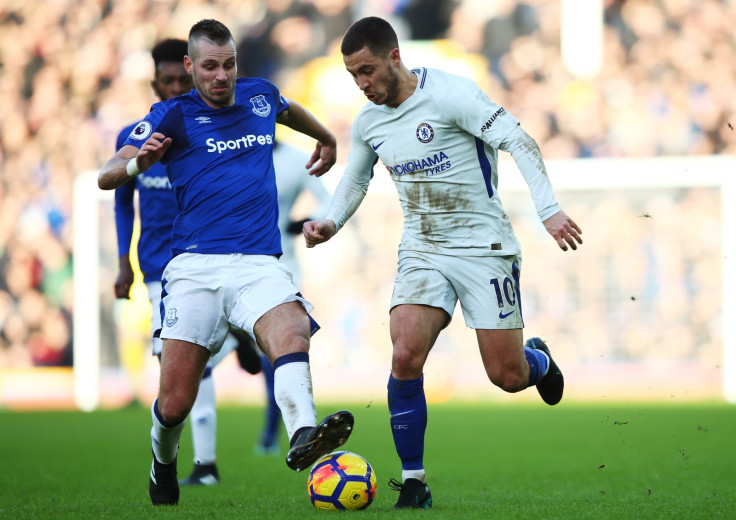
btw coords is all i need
(157, 182)
(245, 141)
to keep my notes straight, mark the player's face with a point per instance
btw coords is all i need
(377, 77)
(213, 70)
(171, 80)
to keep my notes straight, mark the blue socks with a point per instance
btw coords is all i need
(538, 364)
(408, 408)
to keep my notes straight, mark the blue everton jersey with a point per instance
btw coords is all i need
(220, 164)
(157, 213)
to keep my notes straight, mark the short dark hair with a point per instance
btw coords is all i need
(372, 32)
(171, 49)
(210, 29)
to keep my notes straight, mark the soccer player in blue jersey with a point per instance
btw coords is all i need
(157, 213)
(438, 135)
(217, 141)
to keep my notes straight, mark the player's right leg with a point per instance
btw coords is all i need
(416, 319)
(283, 333)
(196, 289)
(182, 365)
(414, 330)
(203, 420)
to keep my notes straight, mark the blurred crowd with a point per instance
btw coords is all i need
(73, 72)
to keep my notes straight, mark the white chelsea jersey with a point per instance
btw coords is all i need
(440, 147)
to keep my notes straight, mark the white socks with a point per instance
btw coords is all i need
(414, 473)
(164, 441)
(293, 390)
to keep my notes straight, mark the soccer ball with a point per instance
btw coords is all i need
(341, 481)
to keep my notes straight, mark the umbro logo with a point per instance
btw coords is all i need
(203, 120)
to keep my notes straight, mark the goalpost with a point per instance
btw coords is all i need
(585, 187)
(86, 323)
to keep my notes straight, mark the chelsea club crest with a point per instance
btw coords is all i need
(260, 105)
(425, 133)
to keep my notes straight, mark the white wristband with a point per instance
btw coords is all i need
(132, 167)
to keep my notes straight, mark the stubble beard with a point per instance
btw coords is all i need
(392, 89)
(220, 100)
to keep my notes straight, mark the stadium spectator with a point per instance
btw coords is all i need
(456, 232)
(75, 71)
(225, 271)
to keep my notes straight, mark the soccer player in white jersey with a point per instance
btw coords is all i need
(438, 135)
(218, 143)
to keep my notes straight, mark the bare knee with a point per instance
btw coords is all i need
(406, 364)
(300, 344)
(510, 380)
(173, 411)
(283, 330)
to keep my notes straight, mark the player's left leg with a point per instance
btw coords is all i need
(277, 314)
(552, 384)
(494, 310)
(283, 334)
(513, 366)
(504, 358)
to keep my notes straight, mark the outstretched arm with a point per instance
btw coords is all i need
(528, 158)
(348, 195)
(129, 161)
(300, 119)
(564, 230)
(318, 231)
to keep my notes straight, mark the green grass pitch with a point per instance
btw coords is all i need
(484, 461)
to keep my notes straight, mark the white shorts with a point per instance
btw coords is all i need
(154, 296)
(204, 295)
(486, 286)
